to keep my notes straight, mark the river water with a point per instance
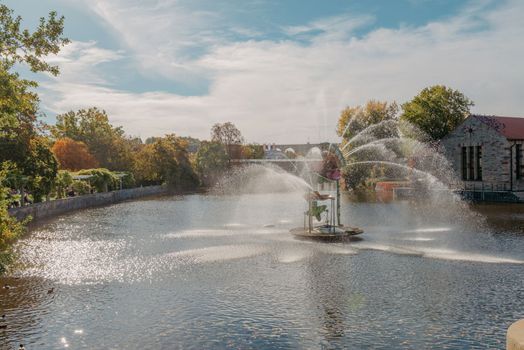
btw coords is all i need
(222, 271)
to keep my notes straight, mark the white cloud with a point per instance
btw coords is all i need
(78, 62)
(284, 91)
(330, 29)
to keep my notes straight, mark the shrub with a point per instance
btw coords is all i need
(102, 179)
(10, 228)
(64, 179)
(81, 187)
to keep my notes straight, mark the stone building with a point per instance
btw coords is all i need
(487, 155)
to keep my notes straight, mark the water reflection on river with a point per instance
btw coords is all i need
(223, 272)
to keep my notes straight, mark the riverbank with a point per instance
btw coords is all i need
(38, 212)
(46, 210)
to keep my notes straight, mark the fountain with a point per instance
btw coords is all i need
(219, 268)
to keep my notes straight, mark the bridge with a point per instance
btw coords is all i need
(282, 151)
(292, 157)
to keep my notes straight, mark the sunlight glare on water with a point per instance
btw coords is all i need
(208, 271)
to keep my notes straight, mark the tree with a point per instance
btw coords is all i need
(41, 167)
(376, 118)
(91, 126)
(20, 143)
(228, 135)
(211, 161)
(353, 120)
(22, 46)
(252, 151)
(24, 157)
(192, 143)
(437, 110)
(73, 155)
(165, 160)
(18, 104)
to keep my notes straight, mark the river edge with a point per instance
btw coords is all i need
(71, 205)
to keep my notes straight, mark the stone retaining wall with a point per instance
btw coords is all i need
(60, 206)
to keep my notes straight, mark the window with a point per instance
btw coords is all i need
(464, 163)
(478, 163)
(518, 161)
(471, 164)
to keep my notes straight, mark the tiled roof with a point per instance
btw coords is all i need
(510, 127)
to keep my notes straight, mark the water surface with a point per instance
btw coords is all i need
(205, 271)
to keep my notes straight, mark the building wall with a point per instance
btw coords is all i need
(495, 153)
(52, 208)
(518, 184)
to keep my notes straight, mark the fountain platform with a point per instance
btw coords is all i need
(327, 233)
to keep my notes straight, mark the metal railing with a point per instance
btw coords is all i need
(484, 186)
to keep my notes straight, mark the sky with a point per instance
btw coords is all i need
(280, 70)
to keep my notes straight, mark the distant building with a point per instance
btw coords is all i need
(487, 154)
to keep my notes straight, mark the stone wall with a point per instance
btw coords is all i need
(60, 206)
(495, 154)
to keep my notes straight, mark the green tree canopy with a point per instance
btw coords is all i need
(437, 110)
(211, 161)
(165, 160)
(353, 120)
(91, 126)
(18, 104)
(42, 167)
(20, 143)
(19, 45)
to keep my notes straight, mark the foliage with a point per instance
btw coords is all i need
(81, 187)
(165, 160)
(13, 175)
(91, 126)
(252, 151)
(64, 179)
(42, 167)
(193, 144)
(20, 143)
(376, 118)
(10, 228)
(21, 46)
(73, 155)
(127, 179)
(211, 161)
(437, 110)
(23, 154)
(18, 104)
(34, 166)
(353, 120)
(228, 135)
(101, 179)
